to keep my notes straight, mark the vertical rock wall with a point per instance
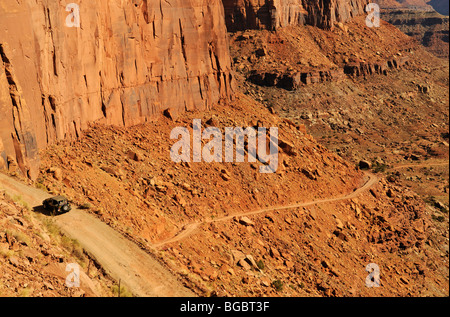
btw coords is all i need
(124, 64)
(273, 14)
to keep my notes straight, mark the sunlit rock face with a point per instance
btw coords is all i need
(117, 62)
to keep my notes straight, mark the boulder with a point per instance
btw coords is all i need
(246, 221)
(364, 164)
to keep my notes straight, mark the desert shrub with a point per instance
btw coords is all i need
(41, 186)
(26, 292)
(278, 285)
(19, 200)
(379, 167)
(19, 236)
(124, 292)
(260, 264)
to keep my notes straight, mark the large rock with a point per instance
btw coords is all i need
(126, 63)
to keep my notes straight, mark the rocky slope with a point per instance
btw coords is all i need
(372, 94)
(225, 228)
(220, 225)
(126, 63)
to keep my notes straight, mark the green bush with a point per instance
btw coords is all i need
(379, 167)
(123, 291)
(278, 285)
(260, 264)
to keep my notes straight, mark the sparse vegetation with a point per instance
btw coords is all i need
(124, 292)
(41, 186)
(19, 236)
(260, 264)
(25, 292)
(71, 245)
(6, 253)
(19, 200)
(74, 247)
(51, 227)
(278, 285)
(432, 201)
(378, 167)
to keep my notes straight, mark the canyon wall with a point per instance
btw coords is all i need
(111, 61)
(65, 64)
(419, 20)
(273, 14)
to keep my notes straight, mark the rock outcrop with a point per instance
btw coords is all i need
(292, 80)
(273, 14)
(262, 14)
(355, 69)
(117, 62)
(295, 79)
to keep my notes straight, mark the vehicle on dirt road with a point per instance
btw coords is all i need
(57, 205)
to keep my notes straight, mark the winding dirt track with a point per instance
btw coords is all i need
(370, 180)
(121, 258)
(422, 164)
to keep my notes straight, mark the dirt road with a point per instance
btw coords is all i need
(420, 164)
(370, 180)
(122, 259)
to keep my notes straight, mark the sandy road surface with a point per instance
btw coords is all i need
(122, 259)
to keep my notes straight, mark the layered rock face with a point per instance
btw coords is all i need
(262, 14)
(420, 21)
(325, 13)
(273, 14)
(113, 61)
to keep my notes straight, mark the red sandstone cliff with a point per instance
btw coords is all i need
(273, 14)
(124, 64)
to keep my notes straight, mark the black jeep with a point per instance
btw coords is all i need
(57, 205)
